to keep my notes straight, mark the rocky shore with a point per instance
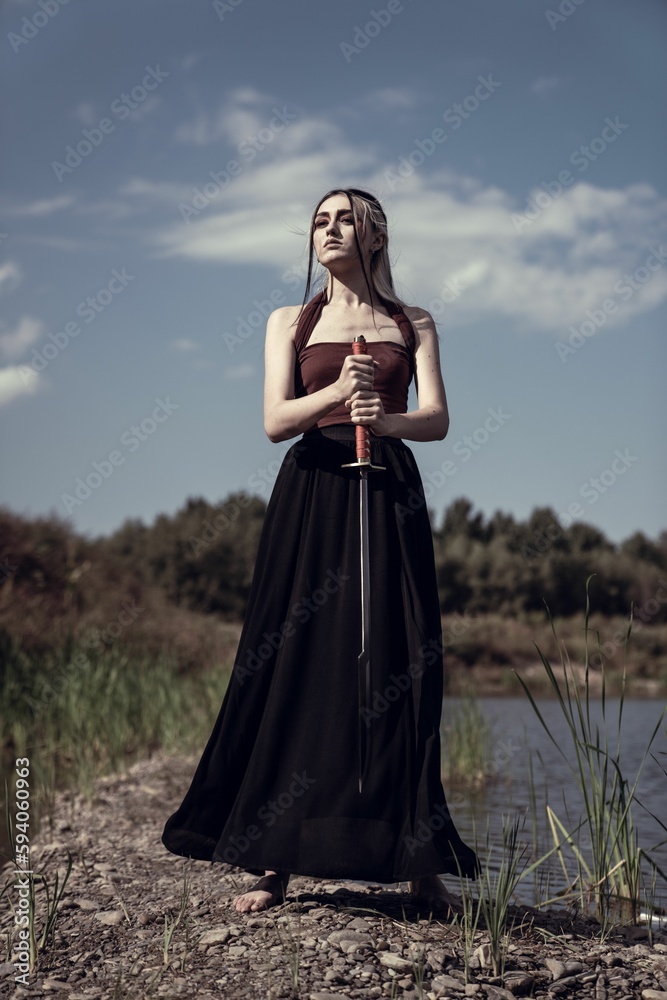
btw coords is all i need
(136, 921)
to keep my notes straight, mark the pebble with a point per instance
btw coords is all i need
(348, 941)
(109, 917)
(556, 968)
(86, 904)
(497, 992)
(482, 955)
(393, 961)
(357, 942)
(217, 935)
(519, 983)
(441, 984)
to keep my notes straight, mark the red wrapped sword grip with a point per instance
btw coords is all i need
(362, 434)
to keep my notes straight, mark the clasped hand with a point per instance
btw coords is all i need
(363, 402)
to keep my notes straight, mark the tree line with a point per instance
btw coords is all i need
(201, 560)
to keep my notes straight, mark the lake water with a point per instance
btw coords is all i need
(519, 739)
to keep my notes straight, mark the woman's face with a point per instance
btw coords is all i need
(333, 232)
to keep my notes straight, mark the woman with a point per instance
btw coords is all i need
(276, 791)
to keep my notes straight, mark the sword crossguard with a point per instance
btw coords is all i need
(362, 434)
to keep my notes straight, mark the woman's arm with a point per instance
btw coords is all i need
(285, 416)
(431, 421)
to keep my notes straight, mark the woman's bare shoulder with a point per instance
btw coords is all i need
(417, 313)
(284, 317)
(422, 321)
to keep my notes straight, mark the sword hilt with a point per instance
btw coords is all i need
(362, 435)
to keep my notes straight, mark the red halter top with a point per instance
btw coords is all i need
(318, 365)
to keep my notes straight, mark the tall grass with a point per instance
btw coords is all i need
(497, 884)
(466, 745)
(78, 713)
(600, 856)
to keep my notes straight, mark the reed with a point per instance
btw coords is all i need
(291, 940)
(467, 922)
(79, 714)
(466, 745)
(41, 926)
(600, 856)
(497, 888)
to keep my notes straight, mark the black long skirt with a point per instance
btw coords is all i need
(277, 784)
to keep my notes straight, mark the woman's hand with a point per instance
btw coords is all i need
(366, 409)
(357, 374)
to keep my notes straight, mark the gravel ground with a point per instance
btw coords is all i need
(328, 940)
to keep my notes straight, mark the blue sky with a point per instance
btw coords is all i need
(517, 148)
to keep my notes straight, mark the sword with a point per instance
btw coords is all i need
(363, 463)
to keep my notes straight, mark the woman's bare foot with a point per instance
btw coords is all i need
(430, 893)
(267, 892)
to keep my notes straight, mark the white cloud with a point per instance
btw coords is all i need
(240, 371)
(243, 113)
(16, 381)
(543, 277)
(43, 206)
(145, 108)
(443, 224)
(391, 98)
(184, 344)
(545, 85)
(187, 61)
(85, 113)
(14, 343)
(167, 192)
(10, 277)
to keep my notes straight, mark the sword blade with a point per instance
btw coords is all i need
(364, 658)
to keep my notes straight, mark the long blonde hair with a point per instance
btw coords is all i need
(366, 208)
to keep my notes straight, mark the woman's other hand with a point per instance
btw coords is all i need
(367, 410)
